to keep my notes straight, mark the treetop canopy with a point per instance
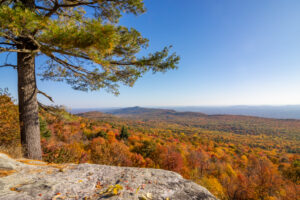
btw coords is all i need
(84, 44)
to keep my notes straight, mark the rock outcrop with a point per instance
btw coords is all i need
(28, 179)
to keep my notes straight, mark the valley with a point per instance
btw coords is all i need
(234, 157)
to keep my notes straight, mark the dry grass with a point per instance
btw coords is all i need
(13, 151)
(32, 162)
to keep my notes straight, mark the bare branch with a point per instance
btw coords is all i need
(45, 95)
(48, 109)
(18, 50)
(52, 11)
(35, 41)
(42, 8)
(57, 6)
(11, 38)
(76, 4)
(41, 105)
(7, 55)
(9, 65)
(5, 43)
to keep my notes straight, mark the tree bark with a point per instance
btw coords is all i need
(27, 92)
(28, 106)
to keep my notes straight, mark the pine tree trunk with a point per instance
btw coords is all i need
(27, 91)
(28, 107)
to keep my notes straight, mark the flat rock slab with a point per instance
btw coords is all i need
(6, 163)
(38, 180)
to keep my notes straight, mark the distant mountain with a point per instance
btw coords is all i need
(140, 111)
(145, 113)
(97, 115)
(163, 118)
(276, 112)
(84, 110)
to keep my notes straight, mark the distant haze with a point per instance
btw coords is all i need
(277, 112)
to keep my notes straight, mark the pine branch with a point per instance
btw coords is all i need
(73, 68)
(84, 56)
(60, 51)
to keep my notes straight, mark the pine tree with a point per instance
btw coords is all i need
(45, 132)
(124, 133)
(85, 47)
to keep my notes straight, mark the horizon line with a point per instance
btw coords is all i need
(185, 106)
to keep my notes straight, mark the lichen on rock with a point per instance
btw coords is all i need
(35, 180)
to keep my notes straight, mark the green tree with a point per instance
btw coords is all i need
(85, 47)
(293, 172)
(45, 132)
(124, 133)
(147, 149)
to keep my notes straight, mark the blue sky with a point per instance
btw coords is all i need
(232, 52)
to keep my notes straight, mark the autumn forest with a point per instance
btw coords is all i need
(234, 157)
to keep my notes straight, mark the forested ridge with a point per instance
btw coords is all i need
(234, 157)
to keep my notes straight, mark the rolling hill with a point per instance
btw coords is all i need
(228, 154)
(245, 125)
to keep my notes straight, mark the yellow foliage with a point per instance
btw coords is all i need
(244, 158)
(111, 137)
(229, 170)
(83, 125)
(9, 118)
(271, 198)
(214, 186)
(112, 190)
(219, 152)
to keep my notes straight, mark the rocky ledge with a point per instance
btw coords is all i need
(29, 179)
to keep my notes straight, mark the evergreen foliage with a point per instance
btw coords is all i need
(84, 44)
(147, 149)
(101, 133)
(124, 133)
(45, 132)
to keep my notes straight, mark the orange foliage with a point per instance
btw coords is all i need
(232, 166)
(9, 118)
